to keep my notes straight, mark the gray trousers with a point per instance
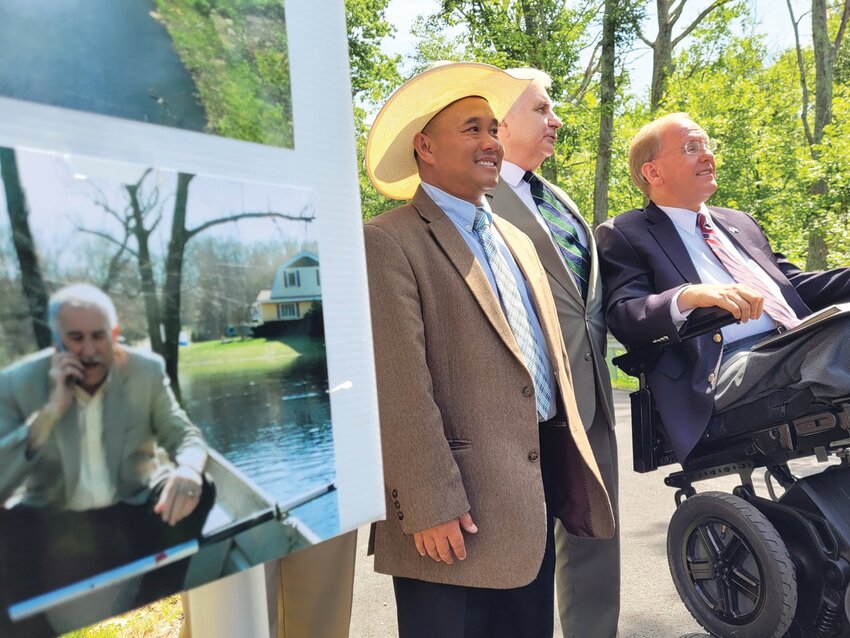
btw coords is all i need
(817, 360)
(587, 570)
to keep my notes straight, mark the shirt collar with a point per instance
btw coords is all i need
(511, 173)
(460, 211)
(685, 219)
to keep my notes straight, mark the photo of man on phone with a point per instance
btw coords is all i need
(99, 464)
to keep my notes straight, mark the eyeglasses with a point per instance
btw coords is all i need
(693, 147)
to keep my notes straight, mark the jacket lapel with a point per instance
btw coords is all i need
(115, 422)
(510, 207)
(746, 245)
(68, 443)
(594, 281)
(446, 235)
(665, 233)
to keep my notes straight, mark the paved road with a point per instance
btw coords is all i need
(651, 608)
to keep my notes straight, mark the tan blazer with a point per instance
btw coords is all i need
(458, 419)
(582, 323)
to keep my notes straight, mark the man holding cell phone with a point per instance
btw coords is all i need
(99, 464)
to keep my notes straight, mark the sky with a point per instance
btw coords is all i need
(771, 16)
(62, 190)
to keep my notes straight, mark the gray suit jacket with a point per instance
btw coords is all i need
(459, 424)
(582, 323)
(140, 418)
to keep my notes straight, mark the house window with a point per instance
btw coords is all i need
(318, 280)
(292, 279)
(287, 311)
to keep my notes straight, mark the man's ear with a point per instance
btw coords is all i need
(651, 174)
(115, 331)
(422, 146)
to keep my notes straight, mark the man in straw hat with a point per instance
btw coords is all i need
(483, 443)
(587, 570)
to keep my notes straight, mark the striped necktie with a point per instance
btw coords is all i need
(563, 231)
(776, 307)
(531, 351)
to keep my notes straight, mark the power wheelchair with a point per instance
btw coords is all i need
(745, 565)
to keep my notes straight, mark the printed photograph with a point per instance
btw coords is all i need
(164, 410)
(213, 66)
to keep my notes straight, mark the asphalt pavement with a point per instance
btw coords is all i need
(650, 606)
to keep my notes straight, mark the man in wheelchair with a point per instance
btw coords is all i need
(769, 386)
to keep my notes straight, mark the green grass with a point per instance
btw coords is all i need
(161, 619)
(214, 357)
(619, 379)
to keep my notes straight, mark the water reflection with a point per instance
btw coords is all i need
(274, 425)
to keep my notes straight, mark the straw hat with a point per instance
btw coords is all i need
(389, 150)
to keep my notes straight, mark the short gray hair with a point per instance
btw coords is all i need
(80, 295)
(528, 73)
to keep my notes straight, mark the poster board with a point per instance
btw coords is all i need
(83, 147)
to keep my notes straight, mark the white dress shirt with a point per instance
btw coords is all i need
(512, 175)
(94, 487)
(711, 271)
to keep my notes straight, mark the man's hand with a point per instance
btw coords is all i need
(743, 302)
(441, 540)
(65, 371)
(180, 495)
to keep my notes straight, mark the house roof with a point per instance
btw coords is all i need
(304, 259)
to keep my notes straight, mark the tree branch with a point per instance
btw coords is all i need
(804, 114)
(232, 218)
(693, 25)
(589, 72)
(109, 238)
(842, 27)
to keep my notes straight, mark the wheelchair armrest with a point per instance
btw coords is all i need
(643, 358)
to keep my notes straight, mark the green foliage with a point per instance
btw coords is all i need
(237, 55)
(373, 76)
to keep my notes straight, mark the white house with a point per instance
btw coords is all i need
(296, 285)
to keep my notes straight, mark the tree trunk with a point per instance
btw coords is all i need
(152, 312)
(662, 55)
(171, 292)
(607, 98)
(32, 281)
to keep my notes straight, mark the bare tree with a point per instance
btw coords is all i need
(668, 14)
(826, 52)
(140, 218)
(32, 282)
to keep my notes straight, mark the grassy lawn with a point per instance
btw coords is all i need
(161, 619)
(213, 357)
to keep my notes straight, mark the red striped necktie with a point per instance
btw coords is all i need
(774, 305)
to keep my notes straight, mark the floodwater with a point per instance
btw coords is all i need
(103, 56)
(275, 426)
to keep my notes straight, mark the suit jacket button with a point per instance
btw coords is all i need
(711, 378)
(587, 356)
(717, 337)
(533, 456)
(397, 504)
(401, 516)
(395, 493)
(528, 391)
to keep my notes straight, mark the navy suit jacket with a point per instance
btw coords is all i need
(644, 262)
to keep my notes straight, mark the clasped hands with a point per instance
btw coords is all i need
(742, 301)
(443, 542)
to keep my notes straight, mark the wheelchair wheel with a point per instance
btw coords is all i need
(731, 567)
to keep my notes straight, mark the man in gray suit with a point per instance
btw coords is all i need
(588, 569)
(98, 462)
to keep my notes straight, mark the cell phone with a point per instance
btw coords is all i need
(60, 347)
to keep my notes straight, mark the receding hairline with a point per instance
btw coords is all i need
(541, 78)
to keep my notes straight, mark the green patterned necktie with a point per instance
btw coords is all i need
(563, 231)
